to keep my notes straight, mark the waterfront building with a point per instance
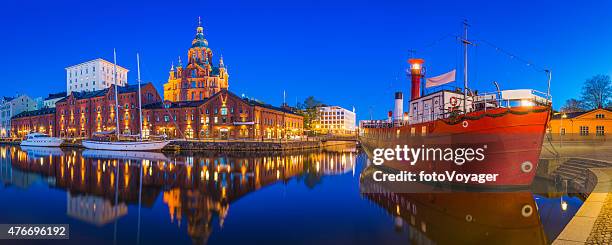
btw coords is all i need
(41, 121)
(335, 120)
(197, 105)
(592, 124)
(50, 101)
(93, 75)
(81, 114)
(11, 106)
(222, 116)
(199, 78)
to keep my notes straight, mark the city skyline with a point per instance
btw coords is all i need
(335, 52)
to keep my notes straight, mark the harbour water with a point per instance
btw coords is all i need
(255, 198)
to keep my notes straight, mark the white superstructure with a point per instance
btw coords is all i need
(93, 75)
(38, 139)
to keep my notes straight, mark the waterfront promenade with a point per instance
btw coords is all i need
(593, 222)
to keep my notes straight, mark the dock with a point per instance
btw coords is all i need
(240, 145)
(234, 144)
(587, 167)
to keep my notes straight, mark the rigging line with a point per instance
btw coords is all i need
(426, 48)
(516, 57)
(457, 57)
(476, 63)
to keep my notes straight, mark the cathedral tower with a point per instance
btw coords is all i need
(199, 79)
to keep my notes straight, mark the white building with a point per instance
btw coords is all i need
(50, 101)
(10, 107)
(335, 119)
(94, 210)
(93, 75)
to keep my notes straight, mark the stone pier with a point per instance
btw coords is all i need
(231, 145)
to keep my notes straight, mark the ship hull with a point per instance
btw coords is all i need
(42, 142)
(512, 139)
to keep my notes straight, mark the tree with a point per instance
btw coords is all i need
(309, 103)
(597, 92)
(309, 110)
(572, 105)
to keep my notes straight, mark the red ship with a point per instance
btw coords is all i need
(509, 124)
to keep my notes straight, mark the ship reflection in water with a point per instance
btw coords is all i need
(304, 197)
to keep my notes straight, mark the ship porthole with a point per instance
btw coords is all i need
(527, 210)
(526, 167)
(469, 218)
(465, 124)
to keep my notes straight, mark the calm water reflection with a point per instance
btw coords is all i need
(306, 197)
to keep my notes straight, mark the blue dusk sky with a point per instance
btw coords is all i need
(347, 53)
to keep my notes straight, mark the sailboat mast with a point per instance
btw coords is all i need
(465, 64)
(139, 98)
(116, 91)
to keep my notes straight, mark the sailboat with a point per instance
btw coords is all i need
(104, 142)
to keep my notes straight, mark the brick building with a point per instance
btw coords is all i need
(42, 121)
(222, 116)
(83, 113)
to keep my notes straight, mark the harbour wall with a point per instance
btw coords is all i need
(179, 145)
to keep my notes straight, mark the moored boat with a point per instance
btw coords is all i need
(508, 125)
(152, 145)
(106, 141)
(40, 139)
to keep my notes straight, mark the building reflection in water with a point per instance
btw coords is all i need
(93, 209)
(196, 187)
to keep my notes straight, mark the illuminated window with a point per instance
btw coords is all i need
(584, 130)
(599, 130)
(600, 116)
(223, 111)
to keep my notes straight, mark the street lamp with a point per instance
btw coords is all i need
(561, 122)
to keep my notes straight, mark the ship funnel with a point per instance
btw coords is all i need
(416, 72)
(399, 106)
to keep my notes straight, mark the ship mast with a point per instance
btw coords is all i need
(139, 98)
(465, 42)
(116, 97)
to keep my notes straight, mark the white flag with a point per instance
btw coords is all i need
(441, 79)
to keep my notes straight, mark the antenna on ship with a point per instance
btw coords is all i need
(465, 42)
(548, 98)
